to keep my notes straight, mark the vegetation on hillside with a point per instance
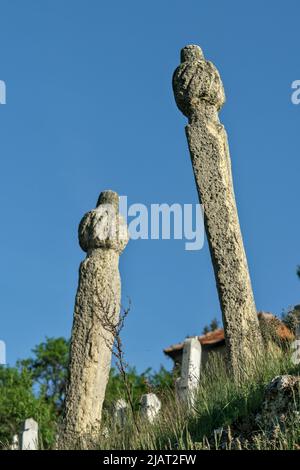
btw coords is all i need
(36, 386)
(221, 407)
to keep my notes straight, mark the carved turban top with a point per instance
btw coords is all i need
(104, 227)
(196, 81)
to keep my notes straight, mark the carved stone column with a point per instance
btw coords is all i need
(103, 236)
(199, 94)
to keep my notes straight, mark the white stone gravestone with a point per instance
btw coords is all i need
(120, 412)
(296, 346)
(29, 435)
(15, 442)
(187, 384)
(150, 406)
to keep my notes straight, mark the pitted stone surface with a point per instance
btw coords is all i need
(199, 94)
(102, 228)
(195, 81)
(97, 301)
(281, 399)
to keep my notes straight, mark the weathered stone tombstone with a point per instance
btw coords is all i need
(30, 435)
(296, 346)
(2, 353)
(188, 383)
(150, 407)
(199, 95)
(120, 412)
(280, 402)
(15, 444)
(103, 236)
(2, 92)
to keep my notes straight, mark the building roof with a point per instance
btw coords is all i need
(215, 339)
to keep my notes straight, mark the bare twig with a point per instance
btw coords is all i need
(114, 328)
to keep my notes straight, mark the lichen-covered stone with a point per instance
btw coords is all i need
(281, 399)
(199, 94)
(103, 235)
(196, 81)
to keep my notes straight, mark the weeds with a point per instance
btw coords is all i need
(220, 406)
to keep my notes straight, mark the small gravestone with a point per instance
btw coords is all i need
(29, 435)
(187, 384)
(150, 406)
(296, 346)
(2, 353)
(120, 412)
(15, 443)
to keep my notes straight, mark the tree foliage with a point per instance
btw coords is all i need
(48, 368)
(18, 402)
(292, 318)
(35, 388)
(213, 326)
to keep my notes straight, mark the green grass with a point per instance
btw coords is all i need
(220, 404)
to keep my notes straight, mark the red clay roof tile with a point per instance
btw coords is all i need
(217, 336)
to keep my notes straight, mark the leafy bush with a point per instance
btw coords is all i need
(291, 318)
(49, 370)
(35, 388)
(18, 402)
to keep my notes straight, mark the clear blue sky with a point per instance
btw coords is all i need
(90, 107)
